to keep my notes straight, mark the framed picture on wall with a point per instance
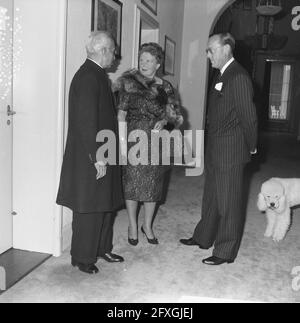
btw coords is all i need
(169, 63)
(107, 15)
(151, 5)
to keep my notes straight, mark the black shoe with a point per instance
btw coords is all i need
(215, 261)
(111, 257)
(151, 241)
(191, 242)
(86, 268)
(133, 242)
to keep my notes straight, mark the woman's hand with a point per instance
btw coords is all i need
(159, 125)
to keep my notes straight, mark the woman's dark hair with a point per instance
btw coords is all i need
(154, 49)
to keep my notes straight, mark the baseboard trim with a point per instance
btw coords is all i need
(2, 278)
(67, 236)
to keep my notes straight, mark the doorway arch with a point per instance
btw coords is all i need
(265, 48)
(220, 13)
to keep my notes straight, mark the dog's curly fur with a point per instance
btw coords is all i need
(276, 198)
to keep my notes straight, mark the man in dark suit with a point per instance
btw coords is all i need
(231, 139)
(90, 187)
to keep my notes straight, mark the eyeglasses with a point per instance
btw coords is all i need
(212, 50)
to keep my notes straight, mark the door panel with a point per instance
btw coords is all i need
(37, 141)
(6, 223)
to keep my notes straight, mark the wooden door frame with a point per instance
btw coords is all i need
(58, 215)
(7, 100)
(139, 15)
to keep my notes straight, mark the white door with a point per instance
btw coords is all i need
(32, 82)
(6, 126)
(38, 95)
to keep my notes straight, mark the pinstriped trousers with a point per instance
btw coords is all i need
(222, 220)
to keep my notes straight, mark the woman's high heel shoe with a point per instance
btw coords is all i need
(153, 240)
(131, 241)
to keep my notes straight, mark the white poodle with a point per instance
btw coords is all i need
(276, 197)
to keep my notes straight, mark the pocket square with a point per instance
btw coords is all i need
(219, 86)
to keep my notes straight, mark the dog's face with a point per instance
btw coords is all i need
(271, 196)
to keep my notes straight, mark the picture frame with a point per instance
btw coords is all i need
(247, 5)
(169, 61)
(151, 5)
(107, 15)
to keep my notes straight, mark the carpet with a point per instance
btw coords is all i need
(264, 271)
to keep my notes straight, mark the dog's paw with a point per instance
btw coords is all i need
(277, 237)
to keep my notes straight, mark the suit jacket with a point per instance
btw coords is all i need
(91, 109)
(232, 121)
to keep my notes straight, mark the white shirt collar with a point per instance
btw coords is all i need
(226, 65)
(95, 62)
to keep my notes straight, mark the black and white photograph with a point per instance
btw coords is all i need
(150, 154)
(170, 54)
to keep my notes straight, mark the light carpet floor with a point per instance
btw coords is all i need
(264, 271)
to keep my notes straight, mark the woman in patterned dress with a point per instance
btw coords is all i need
(147, 103)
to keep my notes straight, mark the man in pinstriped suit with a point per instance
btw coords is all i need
(231, 139)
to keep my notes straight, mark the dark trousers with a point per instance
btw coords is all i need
(222, 220)
(92, 236)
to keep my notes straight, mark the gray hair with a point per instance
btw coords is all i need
(96, 41)
(227, 39)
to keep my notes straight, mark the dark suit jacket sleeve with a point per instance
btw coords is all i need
(86, 114)
(245, 108)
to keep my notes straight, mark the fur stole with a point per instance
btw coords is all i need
(133, 82)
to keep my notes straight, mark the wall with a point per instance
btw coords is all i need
(283, 26)
(170, 19)
(78, 29)
(198, 19)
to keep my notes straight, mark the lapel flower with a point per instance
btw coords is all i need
(219, 86)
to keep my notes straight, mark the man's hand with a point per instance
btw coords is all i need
(101, 169)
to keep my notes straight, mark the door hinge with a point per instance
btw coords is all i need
(14, 213)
